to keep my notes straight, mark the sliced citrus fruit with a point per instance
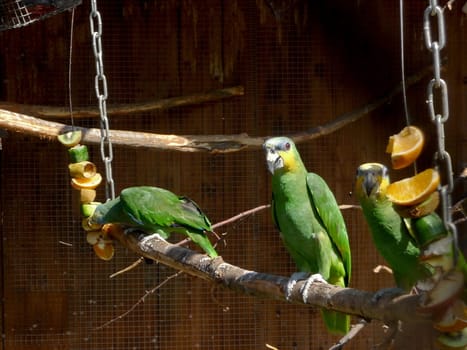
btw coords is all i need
(415, 189)
(112, 230)
(421, 209)
(88, 184)
(88, 226)
(93, 237)
(405, 146)
(104, 250)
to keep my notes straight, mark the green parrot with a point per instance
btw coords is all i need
(389, 230)
(154, 210)
(310, 222)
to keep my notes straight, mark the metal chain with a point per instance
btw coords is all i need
(100, 83)
(439, 115)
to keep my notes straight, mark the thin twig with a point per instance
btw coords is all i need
(449, 5)
(140, 301)
(349, 206)
(229, 221)
(128, 268)
(389, 339)
(241, 216)
(384, 268)
(52, 112)
(356, 328)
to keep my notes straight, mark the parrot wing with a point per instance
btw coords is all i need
(331, 218)
(157, 207)
(156, 210)
(111, 212)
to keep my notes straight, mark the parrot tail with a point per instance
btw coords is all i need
(336, 322)
(203, 241)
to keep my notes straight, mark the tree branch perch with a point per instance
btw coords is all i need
(390, 308)
(20, 123)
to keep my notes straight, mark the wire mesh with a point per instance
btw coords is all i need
(301, 66)
(20, 13)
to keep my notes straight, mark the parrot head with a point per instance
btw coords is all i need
(282, 155)
(372, 180)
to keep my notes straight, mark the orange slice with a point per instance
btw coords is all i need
(415, 189)
(87, 184)
(405, 146)
(104, 250)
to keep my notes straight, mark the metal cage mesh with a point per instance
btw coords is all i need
(20, 13)
(300, 67)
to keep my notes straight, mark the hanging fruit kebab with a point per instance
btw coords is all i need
(85, 179)
(415, 199)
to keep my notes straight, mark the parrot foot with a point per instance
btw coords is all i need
(386, 291)
(152, 236)
(312, 279)
(297, 276)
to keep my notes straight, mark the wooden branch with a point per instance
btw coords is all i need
(49, 130)
(16, 122)
(355, 115)
(51, 112)
(390, 308)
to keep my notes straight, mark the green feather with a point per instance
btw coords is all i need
(389, 231)
(156, 210)
(310, 222)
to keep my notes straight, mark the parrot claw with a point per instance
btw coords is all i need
(386, 291)
(312, 279)
(154, 235)
(297, 276)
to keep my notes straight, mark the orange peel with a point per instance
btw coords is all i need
(415, 189)
(88, 184)
(405, 147)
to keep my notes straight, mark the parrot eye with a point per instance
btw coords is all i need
(287, 146)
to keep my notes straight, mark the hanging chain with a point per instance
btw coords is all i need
(100, 83)
(438, 90)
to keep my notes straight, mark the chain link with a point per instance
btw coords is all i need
(439, 116)
(100, 85)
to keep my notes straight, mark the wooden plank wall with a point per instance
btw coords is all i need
(301, 65)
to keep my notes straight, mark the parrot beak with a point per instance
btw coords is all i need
(373, 179)
(273, 159)
(370, 181)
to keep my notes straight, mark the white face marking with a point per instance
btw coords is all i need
(274, 161)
